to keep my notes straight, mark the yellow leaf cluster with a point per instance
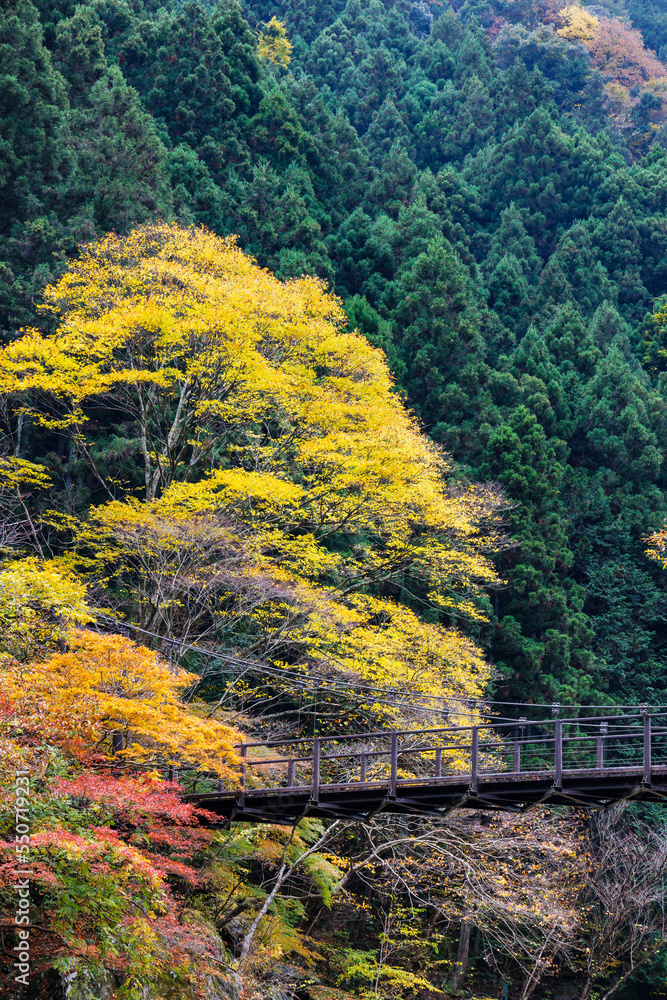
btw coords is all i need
(17, 473)
(273, 45)
(40, 601)
(580, 25)
(657, 547)
(384, 643)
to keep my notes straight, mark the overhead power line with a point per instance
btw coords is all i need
(314, 679)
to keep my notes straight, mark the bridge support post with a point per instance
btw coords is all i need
(517, 744)
(647, 746)
(461, 964)
(559, 753)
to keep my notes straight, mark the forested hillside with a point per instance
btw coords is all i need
(333, 395)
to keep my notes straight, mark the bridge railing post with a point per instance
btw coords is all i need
(362, 767)
(438, 762)
(474, 760)
(315, 790)
(647, 745)
(558, 753)
(604, 726)
(240, 795)
(517, 745)
(393, 778)
(290, 774)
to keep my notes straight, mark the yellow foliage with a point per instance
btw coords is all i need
(273, 44)
(106, 684)
(194, 341)
(657, 547)
(321, 484)
(40, 601)
(377, 640)
(580, 25)
(16, 473)
(382, 643)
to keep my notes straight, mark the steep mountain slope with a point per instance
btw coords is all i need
(489, 215)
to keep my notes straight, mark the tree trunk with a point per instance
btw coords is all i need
(588, 985)
(461, 964)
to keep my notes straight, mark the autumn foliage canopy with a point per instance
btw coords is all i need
(286, 497)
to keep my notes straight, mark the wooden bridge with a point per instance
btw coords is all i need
(512, 766)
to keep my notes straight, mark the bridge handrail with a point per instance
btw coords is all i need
(431, 748)
(490, 724)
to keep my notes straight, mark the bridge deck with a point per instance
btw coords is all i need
(436, 796)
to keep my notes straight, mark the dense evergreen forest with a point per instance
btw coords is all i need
(333, 393)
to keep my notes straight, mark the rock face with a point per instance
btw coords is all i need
(288, 982)
(421, 18)
(228, 987)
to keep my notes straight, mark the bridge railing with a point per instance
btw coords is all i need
(554, 747)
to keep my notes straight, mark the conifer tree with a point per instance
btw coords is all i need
(437, 335)
(34, 159)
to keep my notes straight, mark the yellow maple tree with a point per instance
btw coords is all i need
(579, 24)
(40, 601)
(292, 505)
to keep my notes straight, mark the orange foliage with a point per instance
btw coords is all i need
(616, 49)
(105, 684)
(619, 51)
(657, 547)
